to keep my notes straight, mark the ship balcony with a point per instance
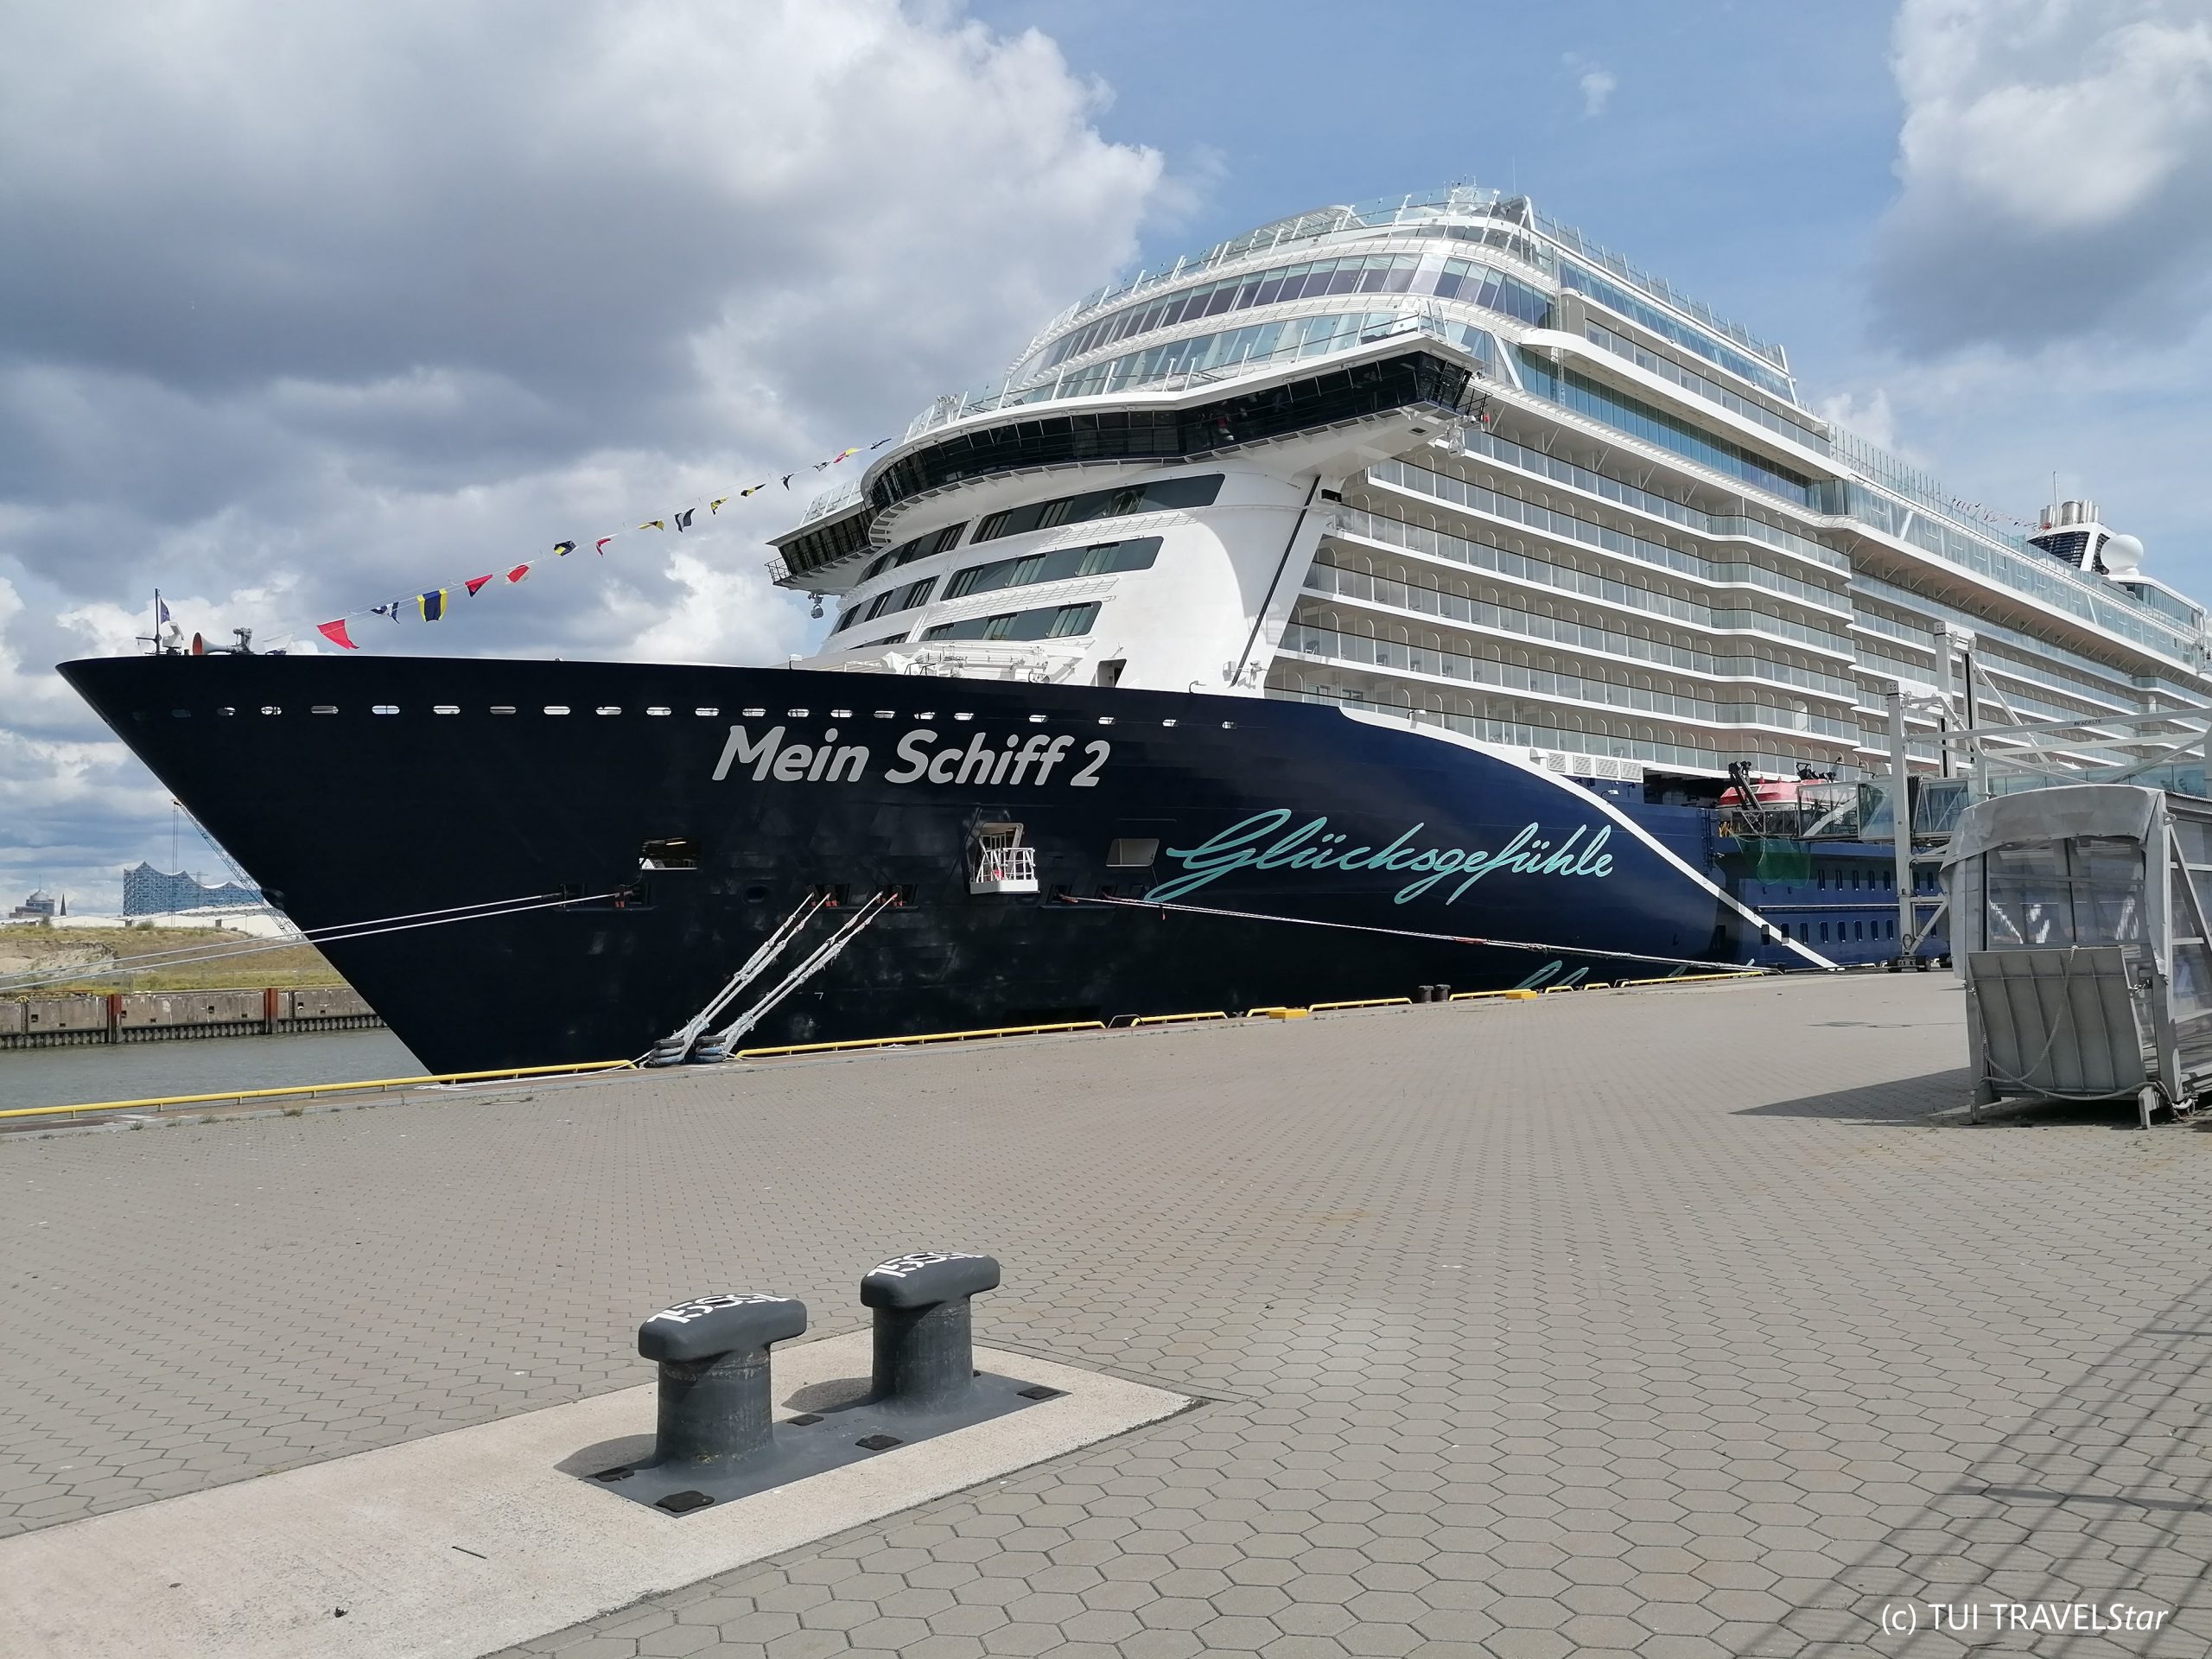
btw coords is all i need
(1002, 863)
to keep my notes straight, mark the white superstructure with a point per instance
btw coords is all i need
(1441, 456)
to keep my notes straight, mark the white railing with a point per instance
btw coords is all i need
(1004, 869)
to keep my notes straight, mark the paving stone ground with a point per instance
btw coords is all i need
(1668, 1322)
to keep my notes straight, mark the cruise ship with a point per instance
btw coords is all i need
(1407, 593)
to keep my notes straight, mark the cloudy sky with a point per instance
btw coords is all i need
(303, 307)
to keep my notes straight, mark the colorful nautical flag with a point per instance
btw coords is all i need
(787, 479)
(433, 604)
(743, 493)
(716, 505)
(562, 549)
(684, 519)
(474, 583)
(335, 632)
(654, 523)
(878, 443)
(389, 609)
(518, 573)
(602, 549)
(841, 454)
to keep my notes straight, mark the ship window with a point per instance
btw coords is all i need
(503, 708)
(793, 714)
(608, 709)
(752, 713)
(272, 708)
(1132, 853)
(1051, 622)
(226, 710)
(1119, 503)
(383, 709)
(1035, 720)
(556, 707)
(708, 713)
(1102, 558)
(319, 709)
(678, 853)
(1824, 932)
(445, 707)
(659, 708)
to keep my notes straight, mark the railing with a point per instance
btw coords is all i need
(830, 501)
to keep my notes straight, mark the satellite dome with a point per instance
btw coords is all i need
(2122, 556)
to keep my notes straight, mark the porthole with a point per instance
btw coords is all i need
(886, 714)
(445, 707)
(227, 711)
(1036, 720)
(556, 707)
(659, 708)
(706, 713)
(1105, 719)
(503, 708)
(1168, 722)
(926, 714)
(754, 713)
(383, 709)
(963, 716)
(795, 713)
(272, 708)
(324, 708)
(608, 709)
(841, 714)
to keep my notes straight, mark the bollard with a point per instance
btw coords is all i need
(924, 1350)
(1443, 993)
(1420, 993)
(712, 1352)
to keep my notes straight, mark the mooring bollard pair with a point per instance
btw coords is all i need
(716, 1409)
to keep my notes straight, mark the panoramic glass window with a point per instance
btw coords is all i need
(1049, 622)
(1157, 496)
(1100, 558)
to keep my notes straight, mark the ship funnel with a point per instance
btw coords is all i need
(2065, 514)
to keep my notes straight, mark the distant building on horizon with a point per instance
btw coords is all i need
(41, 905)
(150, 892)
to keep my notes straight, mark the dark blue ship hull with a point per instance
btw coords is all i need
(355, 789)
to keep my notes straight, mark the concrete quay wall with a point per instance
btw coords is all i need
(168, 1016)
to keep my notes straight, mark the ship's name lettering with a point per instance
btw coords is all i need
(1259, 843)
(1034, 758)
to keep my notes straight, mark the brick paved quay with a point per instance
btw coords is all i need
(1666, 1322)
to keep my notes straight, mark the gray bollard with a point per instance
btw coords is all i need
(924, 1347)
(713, 1353)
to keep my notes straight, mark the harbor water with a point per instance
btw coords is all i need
(69, 1076)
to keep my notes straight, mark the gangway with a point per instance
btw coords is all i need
(2079, 918)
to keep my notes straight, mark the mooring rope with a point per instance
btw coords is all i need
(1402, 933)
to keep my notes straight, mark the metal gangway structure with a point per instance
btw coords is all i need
(2167, 747)
(2078, 921)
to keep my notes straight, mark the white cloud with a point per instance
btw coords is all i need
(1594, 81)
(2056, 160)
(305, 307)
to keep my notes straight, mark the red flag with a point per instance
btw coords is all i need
(335, 632)
(515, 575)
(603, 541)
(474, 583)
